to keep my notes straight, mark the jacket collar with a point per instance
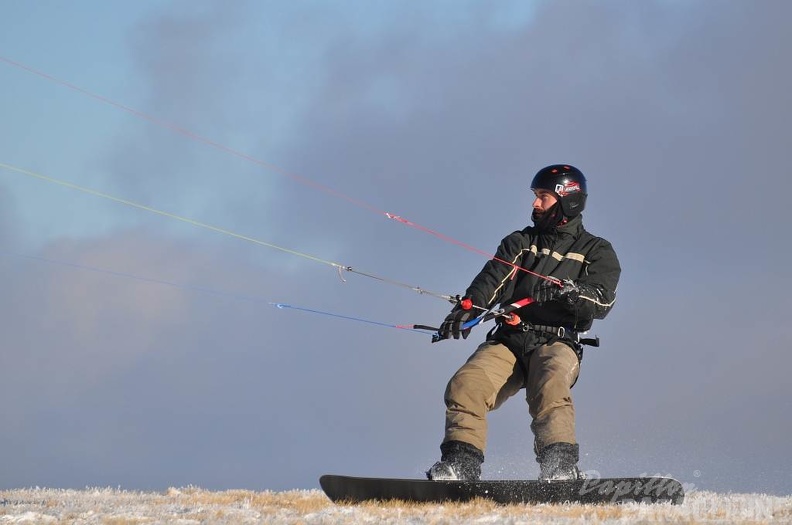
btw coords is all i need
(573, 227)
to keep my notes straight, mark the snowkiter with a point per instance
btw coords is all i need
(572, 282)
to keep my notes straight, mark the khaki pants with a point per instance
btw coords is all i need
(492, 375)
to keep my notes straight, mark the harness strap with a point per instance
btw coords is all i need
(561, 332)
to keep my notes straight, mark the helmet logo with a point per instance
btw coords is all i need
(566, 188)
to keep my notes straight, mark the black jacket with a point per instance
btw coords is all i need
(569, 253)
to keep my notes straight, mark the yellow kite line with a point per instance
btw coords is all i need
(223, 231)
(164, 213)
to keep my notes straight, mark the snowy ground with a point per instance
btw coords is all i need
(193, 505)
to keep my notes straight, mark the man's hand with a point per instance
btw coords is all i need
(452, 326)
(550, 291)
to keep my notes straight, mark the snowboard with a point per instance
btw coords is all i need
(655, 489)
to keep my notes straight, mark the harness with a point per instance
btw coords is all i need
(553, 333)
(561, 332)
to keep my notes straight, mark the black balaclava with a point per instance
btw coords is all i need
(548, 221)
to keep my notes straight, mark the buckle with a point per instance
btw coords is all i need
(569, 334)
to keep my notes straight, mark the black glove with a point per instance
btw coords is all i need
(452, 326)
(550, 291)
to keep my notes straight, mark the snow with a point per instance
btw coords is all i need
(191, 505)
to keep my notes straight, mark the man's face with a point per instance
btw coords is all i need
(544, 201)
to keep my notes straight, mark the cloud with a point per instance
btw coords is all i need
(189, 160)
(443, 120)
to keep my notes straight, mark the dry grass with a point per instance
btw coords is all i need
(193, 505)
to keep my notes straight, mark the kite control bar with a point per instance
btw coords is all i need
(505, 311)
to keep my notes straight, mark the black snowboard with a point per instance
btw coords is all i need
(596, 490)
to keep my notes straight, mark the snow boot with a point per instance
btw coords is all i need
(558, 462)
(459, 461)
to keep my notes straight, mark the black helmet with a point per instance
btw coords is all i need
(567, 182)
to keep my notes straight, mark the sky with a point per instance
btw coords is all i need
(141, 349)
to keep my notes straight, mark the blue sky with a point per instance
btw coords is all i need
(439, 112)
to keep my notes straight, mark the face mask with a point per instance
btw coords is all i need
(548, 220)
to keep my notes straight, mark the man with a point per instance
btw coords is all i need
(571, 275)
